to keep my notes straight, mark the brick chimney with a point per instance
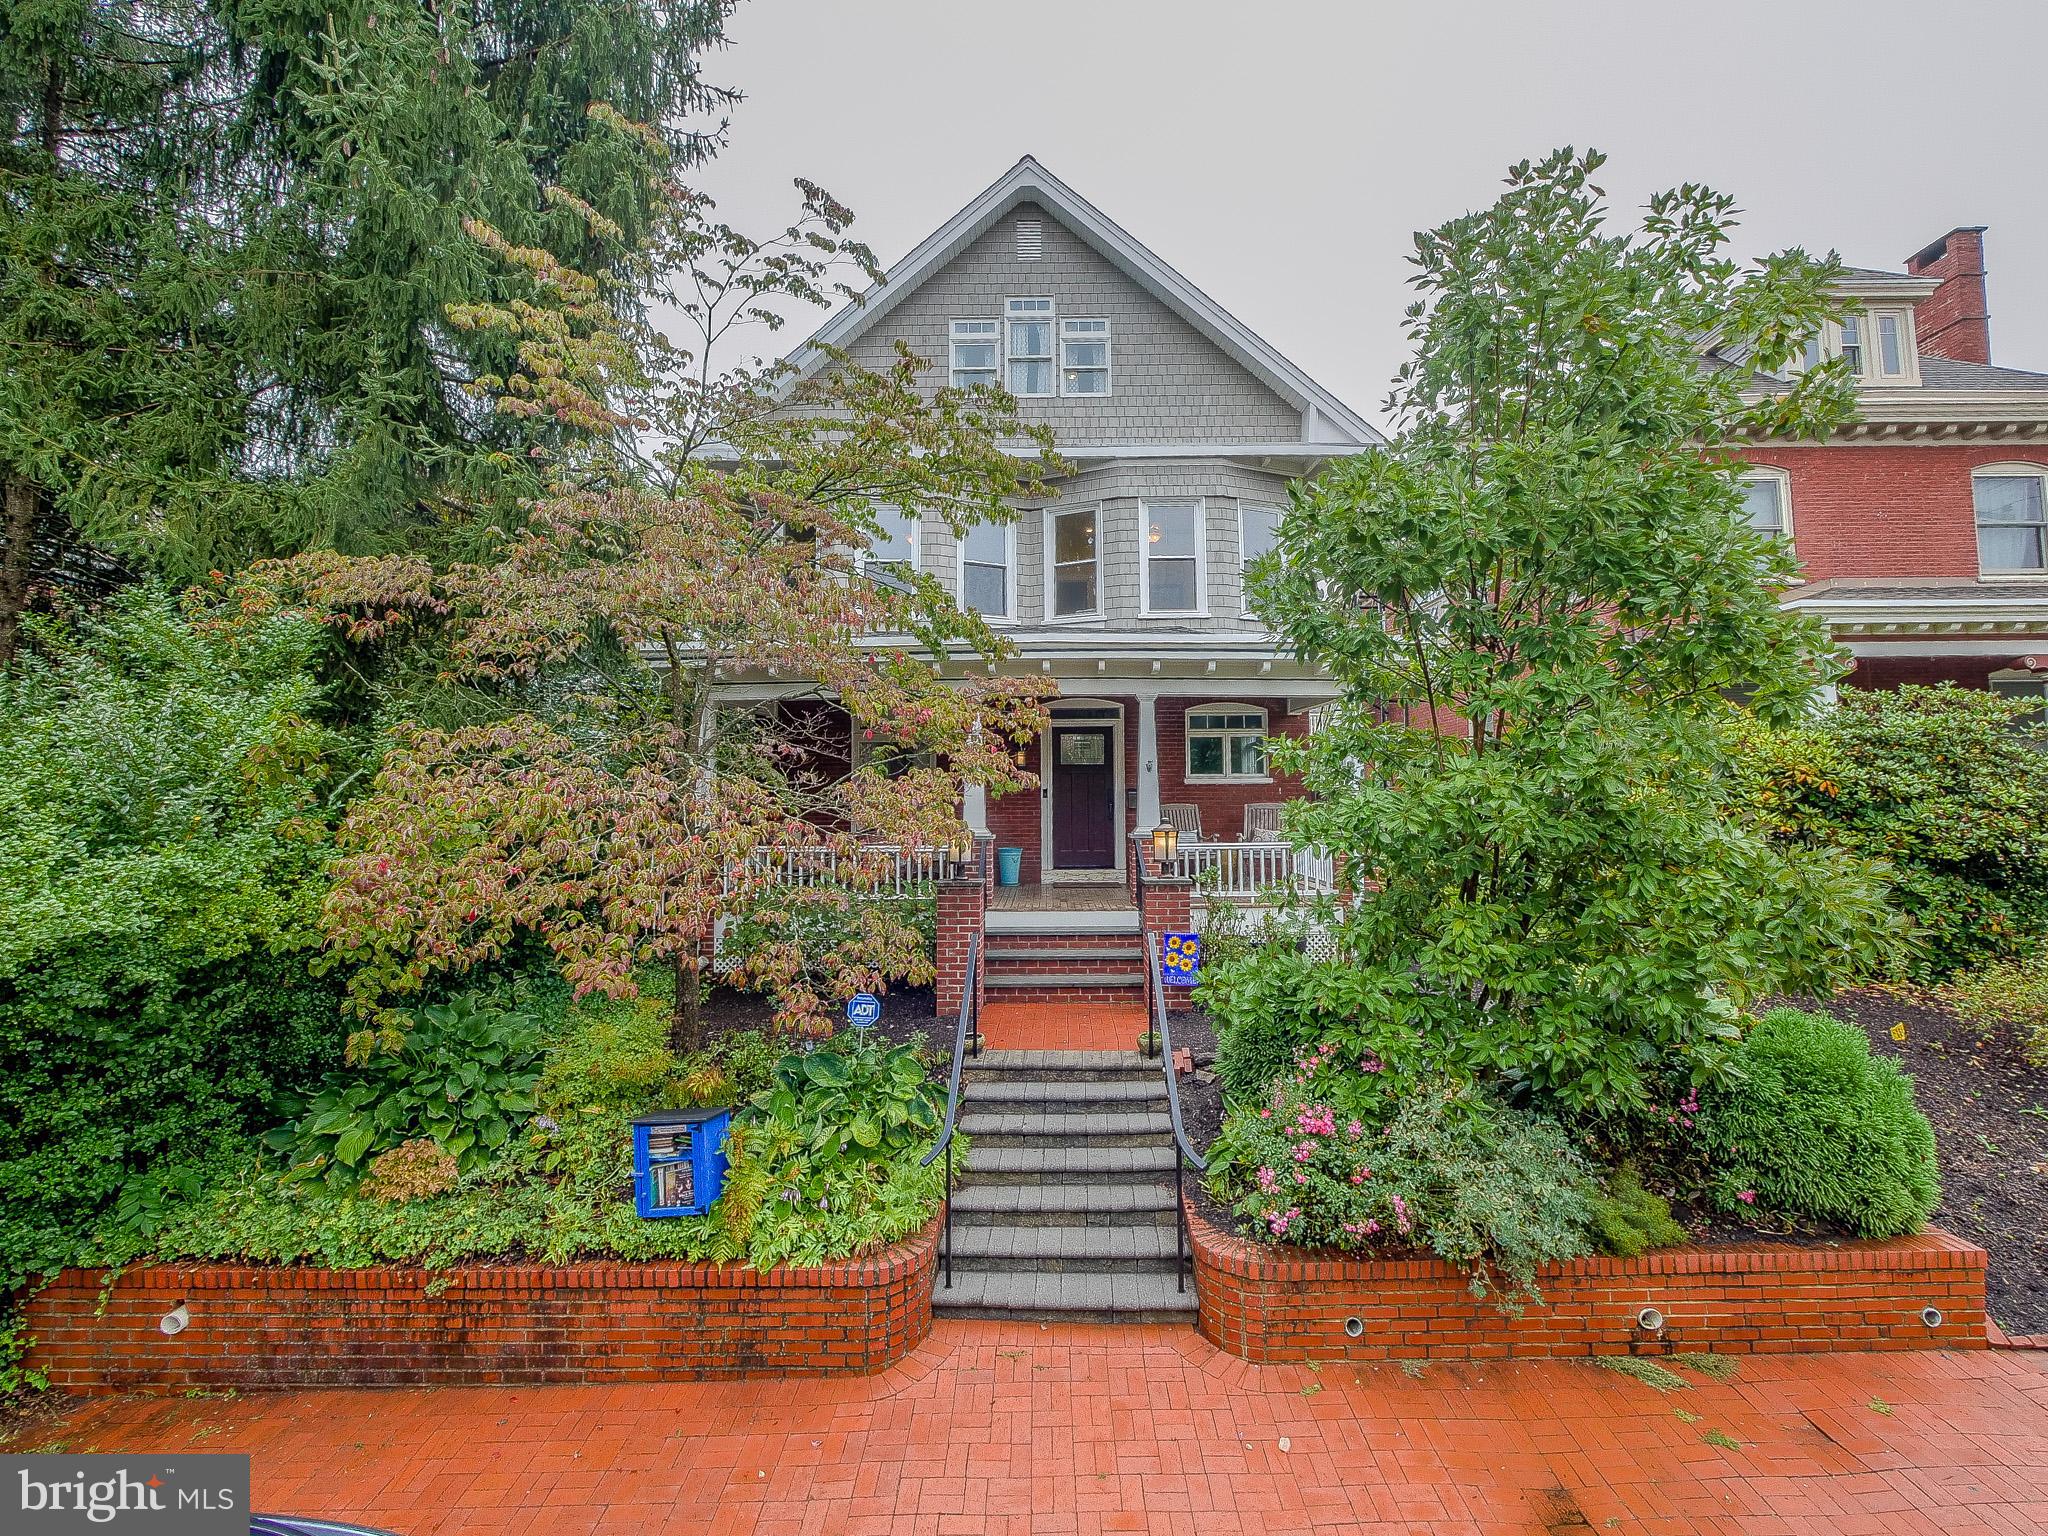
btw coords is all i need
(1956, 321)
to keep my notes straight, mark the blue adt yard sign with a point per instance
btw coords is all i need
(1180, 959)
(863, 1010)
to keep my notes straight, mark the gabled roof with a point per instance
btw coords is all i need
(1326, 420)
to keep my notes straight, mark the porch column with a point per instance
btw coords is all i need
(1148, 762)
(974, 798)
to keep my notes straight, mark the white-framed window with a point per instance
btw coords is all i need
(895, 543)
(1767, 501)
(1176, 563)
(975, 344)
(2031, 686)
(1028, 331)
(1258, 530)
(2012, 518)
(1073, 587)
(1084, 357)
(1227, 741)
(988, 570)
(1878, 344)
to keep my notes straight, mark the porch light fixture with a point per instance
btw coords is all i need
(1165, 841)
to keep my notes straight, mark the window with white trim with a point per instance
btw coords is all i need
(974, 352)
(1075, 588)
(2030, 686)
(1084, 357)
(1174, 558)
(1767, 501)
(1226, 741)
(1258, 530)
(987, 563)
(1028, 329)
(893, 547)
(2011, 501)
(1878, 344)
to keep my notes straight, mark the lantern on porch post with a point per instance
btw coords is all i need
(1165, 842)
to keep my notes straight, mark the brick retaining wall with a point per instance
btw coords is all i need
(512, 1324)
(1272, 1304)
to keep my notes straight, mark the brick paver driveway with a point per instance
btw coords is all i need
(1073, 1429)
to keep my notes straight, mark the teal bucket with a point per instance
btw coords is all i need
(1009, 865)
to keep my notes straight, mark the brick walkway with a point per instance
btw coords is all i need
(998, 1427)
(1062, 1026)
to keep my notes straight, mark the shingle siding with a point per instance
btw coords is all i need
(1168, 382)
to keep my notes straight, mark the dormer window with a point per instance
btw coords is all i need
(1030, 324)
(1877, 344)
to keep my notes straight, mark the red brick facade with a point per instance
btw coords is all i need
(1270, 1305)
(512, 1325)
(1886, 509)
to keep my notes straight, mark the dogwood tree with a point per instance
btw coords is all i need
(611, 793)
(1535, 601)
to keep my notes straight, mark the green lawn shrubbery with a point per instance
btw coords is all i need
(1807, 1122)
(162, 836)
(1950, 785)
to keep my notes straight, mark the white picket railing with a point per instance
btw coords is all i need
(882, 868)
(1248, 871)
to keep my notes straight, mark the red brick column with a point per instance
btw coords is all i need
(1166, 904)
(963, 918)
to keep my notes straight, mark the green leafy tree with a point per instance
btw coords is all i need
(163, 835)
(611, 795)
(231, 247)
(1532, 601)
(1950, 785)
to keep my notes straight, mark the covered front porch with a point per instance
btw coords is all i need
(1112, 766)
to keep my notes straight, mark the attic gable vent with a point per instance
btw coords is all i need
(1030, 239)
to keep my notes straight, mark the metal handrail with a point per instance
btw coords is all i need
(1186, 1155)
(965, 1036)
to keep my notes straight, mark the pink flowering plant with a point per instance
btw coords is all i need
(1495, 1191)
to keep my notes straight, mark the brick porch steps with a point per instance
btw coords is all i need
(1066, 1212)
(1075, 966)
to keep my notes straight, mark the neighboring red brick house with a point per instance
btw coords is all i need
(1923, 527)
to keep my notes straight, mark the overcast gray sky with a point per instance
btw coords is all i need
(1282, 154)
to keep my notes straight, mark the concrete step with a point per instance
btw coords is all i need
(1011, 923)
(1127, 1249)
(1114, 1126)
(1003, 1093)
(1062, 1066)
(1070, 1296)
(1103, 947)
(1088, 980)
(1145, 1203)
(1068, 1165)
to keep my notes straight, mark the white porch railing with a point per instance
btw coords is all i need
(882, 868)
(1248, 871)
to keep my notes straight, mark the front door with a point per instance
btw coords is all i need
(1083, 798)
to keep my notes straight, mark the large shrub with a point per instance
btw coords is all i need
(1810, 1124)
(161, 839)
(1531, 601)
(1948, 784)
(1493, 1190)
(2007, 993)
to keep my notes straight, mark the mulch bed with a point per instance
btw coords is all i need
(907, 1012)
(1989, 1109)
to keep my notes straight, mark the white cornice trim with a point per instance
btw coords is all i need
(1029, 182)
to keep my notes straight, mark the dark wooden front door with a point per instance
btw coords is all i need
(1083, 798)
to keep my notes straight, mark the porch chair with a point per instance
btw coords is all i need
(1184, 819)
(1261, 822)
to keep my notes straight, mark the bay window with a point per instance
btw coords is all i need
(987, 567)
(1173, 557)
(1074, 588)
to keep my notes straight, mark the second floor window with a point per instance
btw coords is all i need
(2012, 518)
(1173, 557)
(1084, 357)
(894, 547)
(1766, 501)
(1030, 326)
(985, 562)
(1073, 564)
